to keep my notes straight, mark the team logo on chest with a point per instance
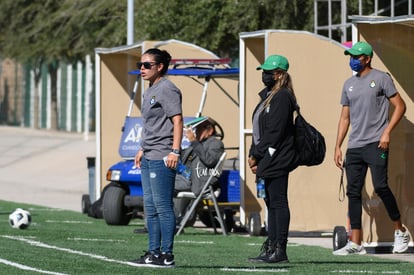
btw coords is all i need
(372, 84)
(152, 101)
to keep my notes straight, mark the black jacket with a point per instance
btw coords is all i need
(277, 132)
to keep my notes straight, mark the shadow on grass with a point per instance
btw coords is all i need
(235, 268)
(347, 262)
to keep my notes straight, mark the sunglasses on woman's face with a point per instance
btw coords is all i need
(147, 65)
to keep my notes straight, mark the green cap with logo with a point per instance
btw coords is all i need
(274, 62)
(360, 48)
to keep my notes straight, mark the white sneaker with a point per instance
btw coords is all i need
(401, 240)
(349, 249)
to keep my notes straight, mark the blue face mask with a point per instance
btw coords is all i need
(355, 64)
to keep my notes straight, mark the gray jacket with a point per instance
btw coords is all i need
(202, 157)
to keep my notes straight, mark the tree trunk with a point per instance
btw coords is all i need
(54, 123)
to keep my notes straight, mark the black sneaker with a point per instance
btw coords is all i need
(165, 260)
(149, 259)
(141, 230)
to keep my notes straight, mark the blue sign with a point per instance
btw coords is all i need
(132, 134)
(131, 137)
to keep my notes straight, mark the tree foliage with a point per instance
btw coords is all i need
(69, 29)
(216, 24)
(52, 29)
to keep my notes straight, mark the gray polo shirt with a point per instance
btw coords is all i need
(160, 102)
(368, 101)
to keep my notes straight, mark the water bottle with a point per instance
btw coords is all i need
(183, 170)
(260, 185)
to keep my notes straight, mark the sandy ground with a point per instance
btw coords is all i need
(44, 167)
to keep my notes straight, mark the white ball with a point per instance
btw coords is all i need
(20, 219)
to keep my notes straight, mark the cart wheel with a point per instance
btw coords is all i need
(86, 203)
(340, 237)
(255, 225)
(114, 210)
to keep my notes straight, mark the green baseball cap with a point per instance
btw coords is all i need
(360, 48)
(274, 62)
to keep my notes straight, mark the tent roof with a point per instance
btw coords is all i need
(403, 20)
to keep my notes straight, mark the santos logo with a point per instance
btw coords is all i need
(134, 134)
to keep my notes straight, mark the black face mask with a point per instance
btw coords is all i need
(268, 79)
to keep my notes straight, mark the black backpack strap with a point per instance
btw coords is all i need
(295, 103)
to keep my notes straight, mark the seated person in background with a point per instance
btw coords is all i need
(199, 158)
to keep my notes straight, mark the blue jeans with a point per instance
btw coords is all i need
(158, 186)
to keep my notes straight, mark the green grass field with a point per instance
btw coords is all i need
(66, 242)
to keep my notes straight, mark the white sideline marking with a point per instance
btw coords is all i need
(366, 271)
(254, 244)
(71, 251)
(253, 270)
(54, 221)
(46, 209)
(196, 242)
(136, 223)
(25, 267)
(95, 240)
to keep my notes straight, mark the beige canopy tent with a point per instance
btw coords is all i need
(319, 68)
(114, 86)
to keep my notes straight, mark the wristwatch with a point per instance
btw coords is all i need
(176, 151)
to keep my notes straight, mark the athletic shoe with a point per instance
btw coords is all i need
(401, 240)
(165, 260)
(141, 230)
(350, 249)
(149, 259)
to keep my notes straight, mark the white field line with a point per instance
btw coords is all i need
(194, 242)
(136, 223)
(75, 222)
(97, 240)
(365, 272)
(25, 267)
(67, 250)
(249, 270)
(46, 209)
(254, 244)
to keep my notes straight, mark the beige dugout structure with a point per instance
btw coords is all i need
(319, 67)
(114, 86)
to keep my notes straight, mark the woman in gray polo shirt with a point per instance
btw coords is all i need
(158, 157)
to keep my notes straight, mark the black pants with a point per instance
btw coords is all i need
(356, 164)
(278, 219)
